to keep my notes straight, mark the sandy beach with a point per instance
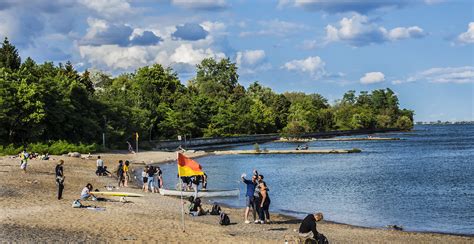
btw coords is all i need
(30, 211)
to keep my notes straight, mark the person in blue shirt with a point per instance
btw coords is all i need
(251, 184)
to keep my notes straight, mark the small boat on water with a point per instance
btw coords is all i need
(205, 193)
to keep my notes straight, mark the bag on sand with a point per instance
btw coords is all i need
(76, 204)
(216, 209)
(224, 219)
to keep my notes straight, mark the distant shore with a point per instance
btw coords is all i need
(29, 211)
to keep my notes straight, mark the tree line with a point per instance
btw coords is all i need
(48, 102)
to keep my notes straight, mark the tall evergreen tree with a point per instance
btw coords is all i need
(9, 57)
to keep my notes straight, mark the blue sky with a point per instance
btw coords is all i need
(423, 50)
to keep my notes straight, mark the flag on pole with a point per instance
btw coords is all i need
(188, 167)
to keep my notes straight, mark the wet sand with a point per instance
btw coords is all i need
(30, 212)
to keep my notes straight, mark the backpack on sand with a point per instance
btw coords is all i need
(216, 209)
(224, 219)
(76, 204)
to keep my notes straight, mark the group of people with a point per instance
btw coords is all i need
(123, 173)
(101, 168)
(152, 179)
(257, 199)
(192, 182)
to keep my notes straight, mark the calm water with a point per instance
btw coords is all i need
(425, 182)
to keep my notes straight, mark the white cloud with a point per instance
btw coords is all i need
(372, 78)
(312, 65)
(213, 27)
(468, 36)
(464, 74)
(338, 6)
(274, 27)
(201, 4)
(185, 53)
(359, 30)
(400, 33)
(109, 8)
(116, 57)
(251, 61)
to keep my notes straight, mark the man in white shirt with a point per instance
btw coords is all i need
(100, 166)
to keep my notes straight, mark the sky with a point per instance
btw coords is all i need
(421, 49)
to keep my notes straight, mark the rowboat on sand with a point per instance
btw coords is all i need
(202, 193)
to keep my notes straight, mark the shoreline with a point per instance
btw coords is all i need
(289, 216)
(33, 212)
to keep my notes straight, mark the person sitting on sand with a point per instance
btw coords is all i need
(195, 207)
(105, 172)
(308, 226)
(86, 192)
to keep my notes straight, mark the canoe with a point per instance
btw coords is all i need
(116, 194)
(206, 193)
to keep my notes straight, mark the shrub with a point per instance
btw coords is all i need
(256, 147)
(10, 150)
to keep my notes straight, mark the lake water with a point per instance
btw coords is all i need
(424, 182)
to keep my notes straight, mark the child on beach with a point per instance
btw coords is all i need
(24, 156)
(126, 175)
(145, 179)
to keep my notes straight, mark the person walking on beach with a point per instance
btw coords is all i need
(264, 204)
(126, 175)
(151, 179)
(100, 166)
(24, 156)
(120, 174)
(250, 198)
(159, 179)
(60, 178)
(308, 227)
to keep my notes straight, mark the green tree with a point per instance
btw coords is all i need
(9, 57)
(404, 123)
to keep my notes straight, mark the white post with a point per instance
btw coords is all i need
(181, 189)
(103, 140)
(136, 141)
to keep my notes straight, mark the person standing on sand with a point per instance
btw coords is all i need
(159, 179)
(120, 174)
(264, 204)
(100, 166)
(250, 198)
(60, 178)
(126, 175)
(151, 179)
(308, 226)
(145, 179)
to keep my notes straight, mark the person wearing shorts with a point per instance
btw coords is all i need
(250, 198)
(151, 179)
(145, 179)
